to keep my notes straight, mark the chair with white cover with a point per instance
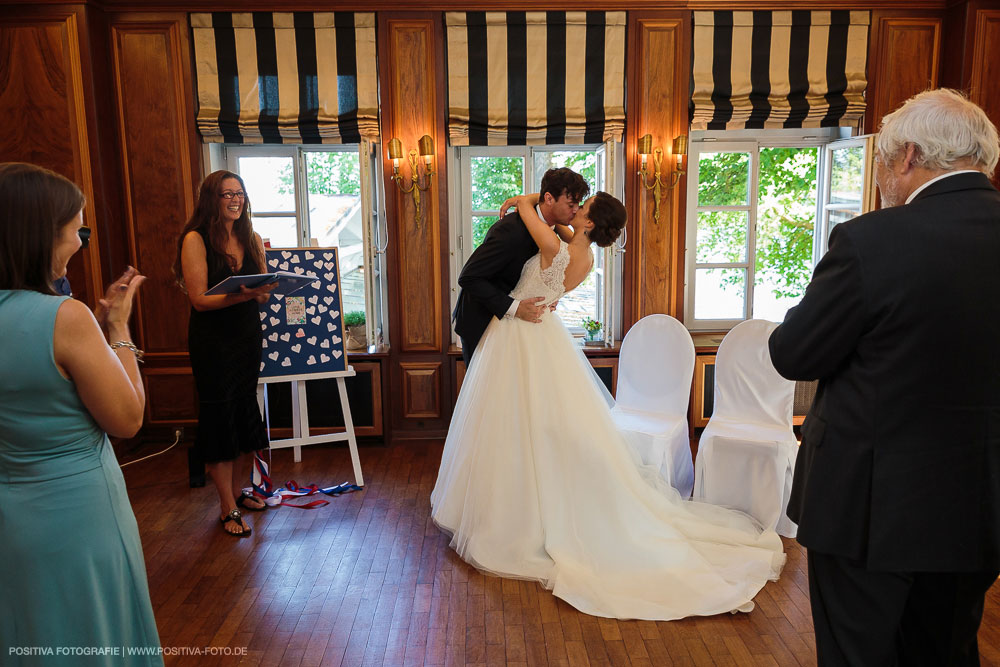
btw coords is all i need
(746, 454)
(655, 366)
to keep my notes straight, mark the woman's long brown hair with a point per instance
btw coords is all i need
(206, 217)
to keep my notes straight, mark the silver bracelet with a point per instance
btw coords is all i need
(139, 354)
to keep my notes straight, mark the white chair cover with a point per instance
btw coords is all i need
(746, 455)
(655, 367)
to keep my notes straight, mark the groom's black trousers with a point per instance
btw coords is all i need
(468, 347)
(866, 618)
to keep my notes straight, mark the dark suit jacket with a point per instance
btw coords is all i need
(490, 275)
(900, 457)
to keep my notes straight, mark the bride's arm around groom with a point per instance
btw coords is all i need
(494, 268)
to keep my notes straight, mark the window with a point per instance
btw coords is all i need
(754, 199)
(324, 196)
(848, 183)
(486, 176)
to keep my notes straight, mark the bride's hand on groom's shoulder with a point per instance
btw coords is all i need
(511, 202)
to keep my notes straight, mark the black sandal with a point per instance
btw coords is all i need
(237, 516)
(242, 502)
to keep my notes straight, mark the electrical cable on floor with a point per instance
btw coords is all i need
(177, 438)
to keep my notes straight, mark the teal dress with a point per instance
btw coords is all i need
(73, 587)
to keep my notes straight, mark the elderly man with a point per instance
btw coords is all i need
(897, 482)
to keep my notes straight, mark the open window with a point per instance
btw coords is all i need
(849, 183)
(326, 196)
(485, 176)
(761, 204)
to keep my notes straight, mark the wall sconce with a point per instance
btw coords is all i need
(426, 146)
(644, 148)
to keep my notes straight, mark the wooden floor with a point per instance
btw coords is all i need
(369, 580)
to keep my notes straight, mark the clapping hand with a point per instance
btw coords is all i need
(116, 306)
(114, 294)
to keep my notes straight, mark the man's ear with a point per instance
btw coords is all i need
(547, 198)
(908, 160)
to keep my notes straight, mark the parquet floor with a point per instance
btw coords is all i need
(369, 580)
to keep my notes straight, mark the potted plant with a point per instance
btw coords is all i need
(593, 329)
(354, 324)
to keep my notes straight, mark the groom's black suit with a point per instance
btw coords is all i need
(488, 278)
(898, 475)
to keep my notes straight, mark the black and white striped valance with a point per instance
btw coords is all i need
(273, 77)
(517, 78)
(772, 69)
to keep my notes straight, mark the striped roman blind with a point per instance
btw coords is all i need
(517, 78)
(773, 69)
(280, 77)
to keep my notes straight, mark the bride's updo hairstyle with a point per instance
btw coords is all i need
(608, 215)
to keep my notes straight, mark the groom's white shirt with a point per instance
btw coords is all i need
(517, 302)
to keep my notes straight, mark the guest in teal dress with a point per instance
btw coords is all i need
(73, 587)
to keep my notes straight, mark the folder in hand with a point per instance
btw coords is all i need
(287, 283)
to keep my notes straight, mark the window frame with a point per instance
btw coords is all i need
(608, 261)
(867, 142)
(372, 207)
(752, 141)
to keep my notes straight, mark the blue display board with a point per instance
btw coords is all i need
(304, 332)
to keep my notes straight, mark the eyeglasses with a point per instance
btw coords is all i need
(231, 195)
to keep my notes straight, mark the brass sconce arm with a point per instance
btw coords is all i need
(658, 184)
(417, 183)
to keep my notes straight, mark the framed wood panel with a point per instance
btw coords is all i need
(657, 79)
(607, 369)
(609, 366)
(155, 114)
(702, 401)
(44, 106)
(986, 67)
(410, 109)
(458, 373)
(364, 392)
(421, 389)
(171, 397)
(904, 58)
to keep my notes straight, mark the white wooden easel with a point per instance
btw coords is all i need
(300, 416)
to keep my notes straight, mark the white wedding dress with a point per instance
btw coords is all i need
(536, 483)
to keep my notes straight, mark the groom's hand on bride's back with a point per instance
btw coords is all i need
(530, 310)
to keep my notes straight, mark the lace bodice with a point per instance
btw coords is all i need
(548, 283)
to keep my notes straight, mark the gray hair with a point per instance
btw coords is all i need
(946, 129)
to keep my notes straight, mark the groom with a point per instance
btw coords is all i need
(495, 266)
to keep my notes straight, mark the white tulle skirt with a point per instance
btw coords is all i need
(536, 483)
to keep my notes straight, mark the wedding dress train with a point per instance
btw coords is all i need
(536, 483)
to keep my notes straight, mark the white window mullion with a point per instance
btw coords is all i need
(302, 223)
(751, 254)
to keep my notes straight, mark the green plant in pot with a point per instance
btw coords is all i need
(354, 324)
(593, 329)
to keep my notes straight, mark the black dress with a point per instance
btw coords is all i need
(225, 350)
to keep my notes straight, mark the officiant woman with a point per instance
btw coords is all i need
(224, 340)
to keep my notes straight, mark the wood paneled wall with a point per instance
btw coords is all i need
(45, 106)
(659, 66)
(985, 73)
(106, 97)
(411, 69)
(160, 163)
(904, 58)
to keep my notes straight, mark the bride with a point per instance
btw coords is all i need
(536, 483)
